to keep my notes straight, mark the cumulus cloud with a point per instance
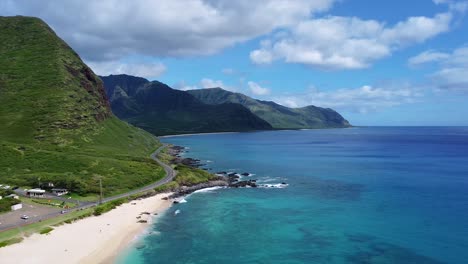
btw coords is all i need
(452, 68)
(140, 69)
(454, 5)
(162, 27)
(336, 42)
(204, 83)
(427, 56)
(362, 100)
(210, 83)
(256, 89)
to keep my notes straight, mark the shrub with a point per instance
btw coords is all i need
(46, 230)
(106, 207)
(10, 241)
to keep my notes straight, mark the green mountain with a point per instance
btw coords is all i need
(56, 123)
(280, 117)
(161, 110)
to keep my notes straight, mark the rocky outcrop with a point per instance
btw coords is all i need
(249, 183)
(185, 190)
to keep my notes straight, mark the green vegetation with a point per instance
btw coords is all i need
(161, 110)
(168, 187)
(190, 176)
(56, 123)
(46, 230)
(6, 203)
(11, 241)
(106, 207)
(53, 203)
(87, 198)
(165, 157)
(280, 117)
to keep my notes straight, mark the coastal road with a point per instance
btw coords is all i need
(170, 174)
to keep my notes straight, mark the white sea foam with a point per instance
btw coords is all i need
(270, 179)
(277, 185)
(211, 189)
(183, 201)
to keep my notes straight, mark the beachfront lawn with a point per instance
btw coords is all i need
(48, 202)
(84, 198)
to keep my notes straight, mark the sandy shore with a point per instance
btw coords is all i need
(91, 240)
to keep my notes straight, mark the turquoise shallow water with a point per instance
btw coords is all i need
(359, 195)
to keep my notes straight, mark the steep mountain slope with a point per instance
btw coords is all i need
(56, 123)
(157, 108)
(280, 117)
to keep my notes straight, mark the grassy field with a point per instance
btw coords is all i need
(191, 176)
(56, 124)
(165, 157)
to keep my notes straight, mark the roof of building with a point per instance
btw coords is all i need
(36, 191)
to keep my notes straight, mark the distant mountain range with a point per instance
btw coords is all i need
(161, 110)
(278, 116)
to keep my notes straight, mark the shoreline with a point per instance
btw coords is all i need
(96, 239)
(198, 134)
(236, 132)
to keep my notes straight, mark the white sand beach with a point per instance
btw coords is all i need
(91, 240)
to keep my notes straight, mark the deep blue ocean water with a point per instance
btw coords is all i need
(358, 195)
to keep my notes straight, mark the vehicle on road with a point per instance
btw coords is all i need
(25, 217)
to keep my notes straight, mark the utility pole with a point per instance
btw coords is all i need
(100, 190)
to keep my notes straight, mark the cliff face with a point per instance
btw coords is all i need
(47, 91)
(156, 107)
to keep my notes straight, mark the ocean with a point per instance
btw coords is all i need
(357, 195)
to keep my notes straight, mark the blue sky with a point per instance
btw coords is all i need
(376, 62)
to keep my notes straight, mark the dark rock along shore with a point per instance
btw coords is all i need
(223, 179)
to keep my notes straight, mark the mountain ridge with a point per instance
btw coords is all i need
(161, 110)
(279, 116)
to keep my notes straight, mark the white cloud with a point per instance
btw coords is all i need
(363, 99)
(209, 83)
(162, 27)
(426, 57)
(336, 42)
(256, 89)
(454, 5)
(261, 56)
(204, 83)
(140, 69)
(452, 68)
(182, 85)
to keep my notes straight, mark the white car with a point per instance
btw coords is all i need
(25, 217)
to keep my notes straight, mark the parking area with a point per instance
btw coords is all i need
(35, 212)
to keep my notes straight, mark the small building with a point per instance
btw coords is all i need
(35, 193)
(14, 196)
(59, 192)
(16, 207)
